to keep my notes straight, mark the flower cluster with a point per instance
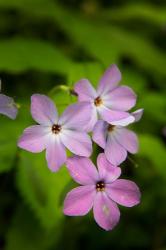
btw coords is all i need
(105, 113)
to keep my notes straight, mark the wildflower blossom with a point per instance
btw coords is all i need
(110, 101)
(100, 190)
(116, 140)
(56, 133)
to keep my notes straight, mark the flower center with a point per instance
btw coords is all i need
(56, 129)
(98, 101)
(100, 186)
(111, 128)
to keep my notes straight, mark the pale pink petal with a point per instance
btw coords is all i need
(114, 152)
(55, 153)
(107, 171)
(34, 138)
(8, 107)
(138, 114)
(122, 98)
(79, 201)
(92, 121)
(109, 80)
(85, 90)
(124, 192)
(100, 133)
(128, 139)
(82, 170)
(124, 122)
(115, 117)
(106, 212)
(43, 110)
(79, 143)
(76, 116)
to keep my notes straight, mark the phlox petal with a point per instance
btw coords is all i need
(124, 192)
(55, 153)
(128, 139)
(138, 114)
(100, 133)
(82, 170)
(85, 90)
(8, 107)
(115, 153)
(115, 117)
(79, 201)
(106, 212)
(121, 98)
(107, 171)
(34, 138)
(78, 143)
(43, 110)
(92, 121)
(109, 80)
(76, 116)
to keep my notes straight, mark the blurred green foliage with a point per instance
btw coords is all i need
(45, 47)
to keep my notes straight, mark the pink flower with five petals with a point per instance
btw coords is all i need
(100, 190)
(56, 133)
(116, 140)
(109, 101)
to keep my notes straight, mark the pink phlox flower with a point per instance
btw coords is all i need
(116, 141)
(56, 133)
(110, 102)
(100, 190)
(7, 106)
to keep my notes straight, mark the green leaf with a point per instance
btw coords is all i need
(10, 132)
(103, 41)
(135, 80)
(91, 71)
(21, 3)
(26, 233)
(19, 54)
(108, 43)
(41, 188)
(153, 149)
(143, 11)
(8, 146)
(62, 96)
(155, 106)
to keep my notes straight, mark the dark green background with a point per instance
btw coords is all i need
(46, 43)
